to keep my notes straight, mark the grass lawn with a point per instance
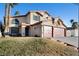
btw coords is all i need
(25, 46)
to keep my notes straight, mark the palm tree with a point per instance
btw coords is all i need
(74, 24)
(8, 7)
(17, 13)
(71, 21)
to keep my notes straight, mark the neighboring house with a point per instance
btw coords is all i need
(36, 23)
(71, 32)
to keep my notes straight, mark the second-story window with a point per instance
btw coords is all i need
(36, 17)
(15, 21)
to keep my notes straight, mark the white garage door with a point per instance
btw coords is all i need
(47, 31)
(58, 32)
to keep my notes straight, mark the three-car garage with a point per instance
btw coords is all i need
(50, 31)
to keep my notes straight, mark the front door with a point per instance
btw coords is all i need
(27, 31)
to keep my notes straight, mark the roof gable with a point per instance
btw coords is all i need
(59, 22)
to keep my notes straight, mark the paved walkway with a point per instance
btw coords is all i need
(70, 40)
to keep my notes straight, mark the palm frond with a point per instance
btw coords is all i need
(71, 20)
(17, 13)
(13, 4)
(75, 25)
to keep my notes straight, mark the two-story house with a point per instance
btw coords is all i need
(36, 23)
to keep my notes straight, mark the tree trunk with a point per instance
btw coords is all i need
(7, 15)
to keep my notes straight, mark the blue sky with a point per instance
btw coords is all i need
(63, 10)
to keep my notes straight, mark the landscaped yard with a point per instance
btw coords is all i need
(31, 46)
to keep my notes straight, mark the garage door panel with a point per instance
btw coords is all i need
(58, 32)
(47, 31)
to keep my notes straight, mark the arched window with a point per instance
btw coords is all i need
(15, 21)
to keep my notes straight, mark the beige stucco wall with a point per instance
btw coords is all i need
(43, 13)
(20, 19)
(76, 32)
(57, 25)
(72, 32)
(47, 22)
(23, 31)
(25, 19)
(29, 18)
(41, 17)
(68, 33)
(35, 30)
(32, 21)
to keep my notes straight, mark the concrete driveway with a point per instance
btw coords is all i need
(70, 40)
